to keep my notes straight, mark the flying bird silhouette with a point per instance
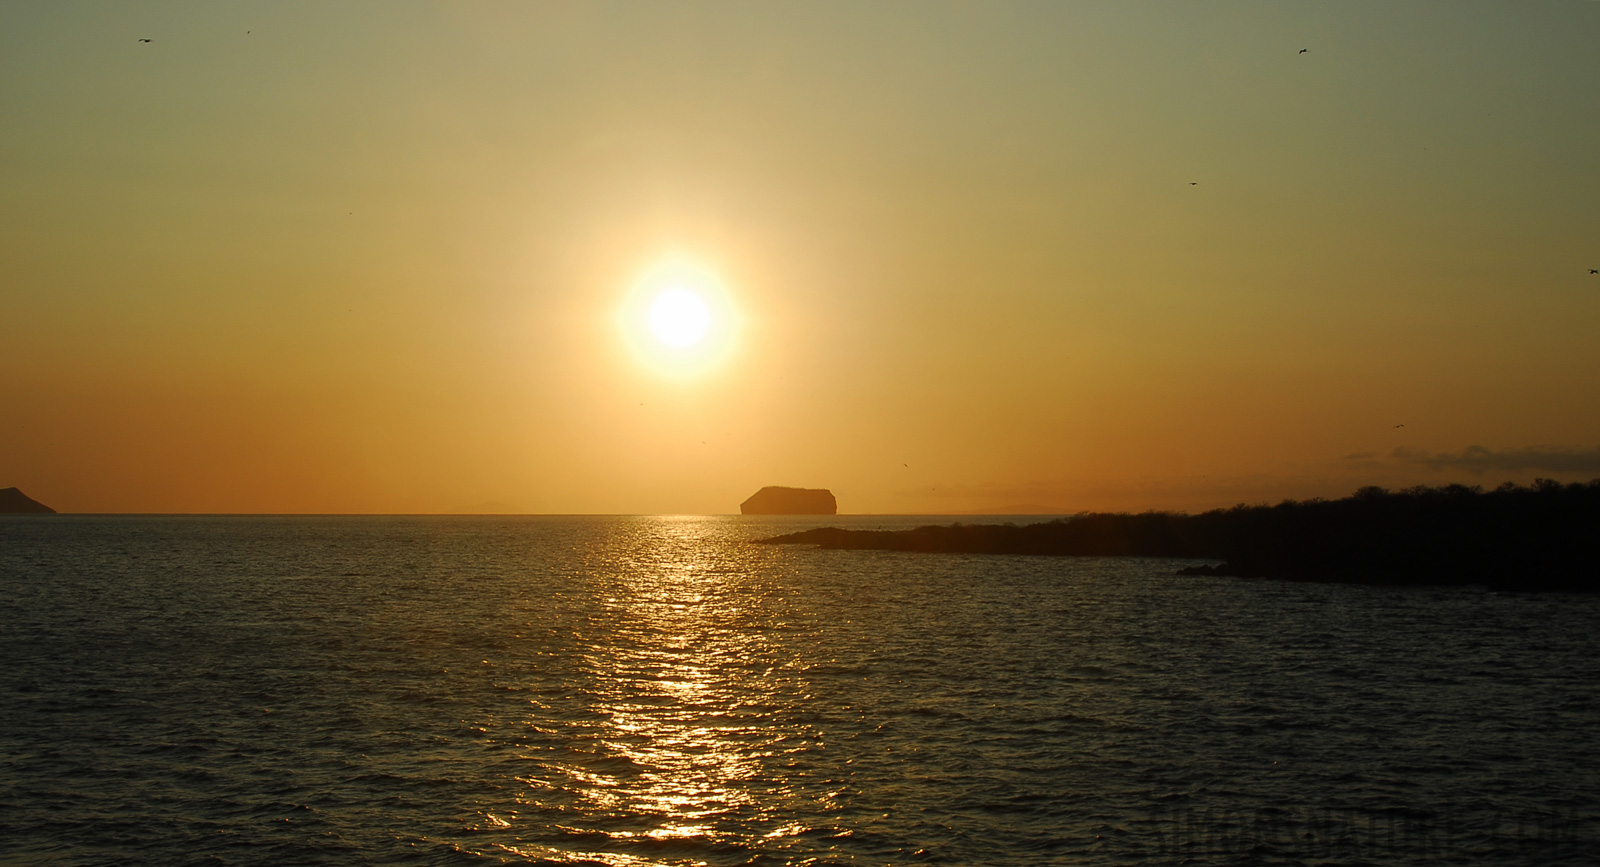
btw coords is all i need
(1194, 183)
(1594, 270)
(1304, 50)
(145, 40)
(1399, 425)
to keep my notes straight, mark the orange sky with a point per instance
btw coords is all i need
(371, 257)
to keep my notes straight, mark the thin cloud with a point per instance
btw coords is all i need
(1479, 460)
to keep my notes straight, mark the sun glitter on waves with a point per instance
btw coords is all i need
(678, 320)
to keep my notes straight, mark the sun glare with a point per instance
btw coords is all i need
(679, 317)
(678, 320)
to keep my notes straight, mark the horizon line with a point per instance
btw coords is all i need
(528, 514)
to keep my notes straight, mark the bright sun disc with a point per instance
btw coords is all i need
(679, 317)
(678, 320)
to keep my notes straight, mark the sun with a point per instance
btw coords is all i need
(678, 320)
(679, 317)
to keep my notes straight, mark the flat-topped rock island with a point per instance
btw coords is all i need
(777, 500)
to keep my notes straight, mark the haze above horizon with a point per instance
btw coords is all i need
(937, 258)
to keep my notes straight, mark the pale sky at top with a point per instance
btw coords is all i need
(369, 257)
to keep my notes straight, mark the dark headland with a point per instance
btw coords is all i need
(15, 502)
(1540, 538)
(775, 500)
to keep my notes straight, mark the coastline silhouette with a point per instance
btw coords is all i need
(14, 502)
(1540, 538)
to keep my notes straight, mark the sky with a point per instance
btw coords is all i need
(382, 257)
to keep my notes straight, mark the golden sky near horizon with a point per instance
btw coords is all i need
(375, 257)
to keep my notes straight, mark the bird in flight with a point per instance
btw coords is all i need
(1594, 270)
(1399, 425)
(146, 40)
(1304, 50)
(1194, 183)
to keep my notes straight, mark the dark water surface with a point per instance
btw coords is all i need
(626, 691)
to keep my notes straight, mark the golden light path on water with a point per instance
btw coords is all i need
(691, 708)
(631, 691)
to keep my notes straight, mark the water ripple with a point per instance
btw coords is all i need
(658, 691)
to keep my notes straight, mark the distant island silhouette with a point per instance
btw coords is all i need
(1540, 538)
(1020, 509)
(15, 502)
(776, 500)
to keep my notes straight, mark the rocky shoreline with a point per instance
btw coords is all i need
(1540, 538)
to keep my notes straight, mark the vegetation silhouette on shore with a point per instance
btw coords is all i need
(1540, 538)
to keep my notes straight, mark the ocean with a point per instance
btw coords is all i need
(662, 691)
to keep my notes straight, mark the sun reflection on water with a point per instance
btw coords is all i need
(681, 732)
